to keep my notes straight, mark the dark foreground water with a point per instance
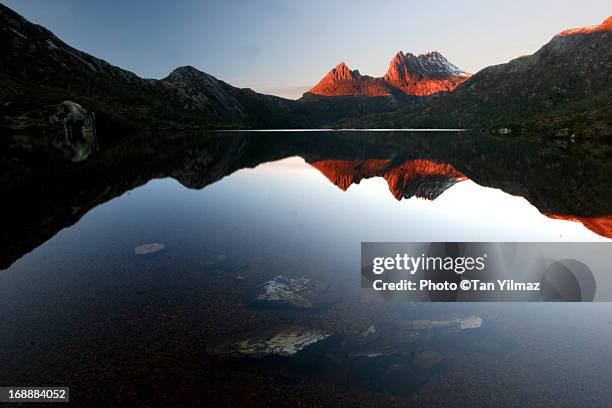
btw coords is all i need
(81, 308)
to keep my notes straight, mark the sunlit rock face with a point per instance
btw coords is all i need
(420, 178)
(341, 81)
(424, 74)
(408, 74)
(606, 25)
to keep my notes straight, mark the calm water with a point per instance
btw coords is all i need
(234, 210)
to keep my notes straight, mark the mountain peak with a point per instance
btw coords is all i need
(606, 25)
(185, 69)
(343, 72)
(188, 73)
(399, 56)
(425, 74)
(341, 81)
(342, 66)
(420, 177)
(421, 75)
(430, 54)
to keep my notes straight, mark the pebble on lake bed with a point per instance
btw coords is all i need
(148, 248)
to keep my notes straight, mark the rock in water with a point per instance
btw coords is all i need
(78, 124)
(470, 322)
(289, 292)
(148, 248)
(67, 128)
(284, 343)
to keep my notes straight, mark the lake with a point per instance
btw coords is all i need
(229, 211)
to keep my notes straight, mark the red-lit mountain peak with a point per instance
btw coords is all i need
(341, 81)
(423, 74)
(342, 72)
(413, 75)
(420, 178)
(606, 25)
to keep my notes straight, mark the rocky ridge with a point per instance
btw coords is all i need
(408, 75)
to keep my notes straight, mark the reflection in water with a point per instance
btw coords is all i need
(46, 197)
(162, 284)
(420, 178)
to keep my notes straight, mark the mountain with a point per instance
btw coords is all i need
(564, 88)
(410, 80)
(49, 87)
(341, 81)
(37, 70)
(423, 75)
(196, 91)
(421, 178)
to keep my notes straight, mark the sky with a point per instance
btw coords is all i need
(286, 47)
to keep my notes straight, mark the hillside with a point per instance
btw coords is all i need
(564, 88)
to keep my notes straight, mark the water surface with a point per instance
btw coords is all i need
(233, 210)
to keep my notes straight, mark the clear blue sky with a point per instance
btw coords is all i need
(284, 47)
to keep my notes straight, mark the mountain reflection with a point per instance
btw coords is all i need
(420, 177)
(43, 196)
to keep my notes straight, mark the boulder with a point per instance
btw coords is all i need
(67, 128)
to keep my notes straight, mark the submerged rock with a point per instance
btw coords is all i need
(371, 331)
(465, 323)
(148, 248)
(290, 292)
(470, 322)
(284, 343)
